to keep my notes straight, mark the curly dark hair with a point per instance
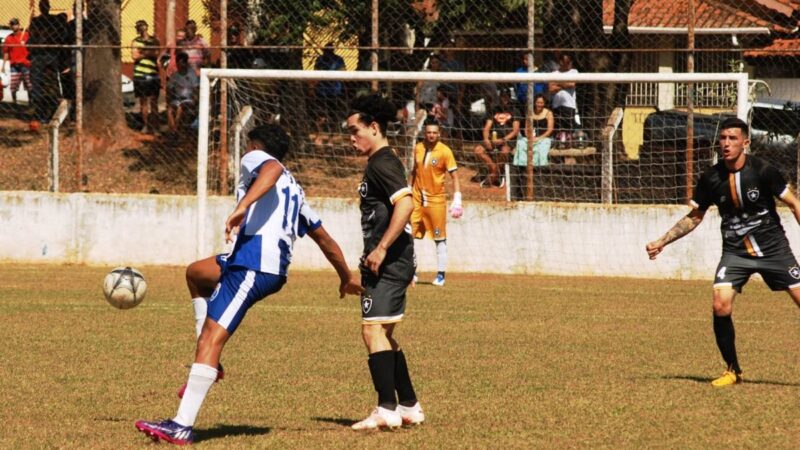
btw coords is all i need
(374, 108)
(273, 139)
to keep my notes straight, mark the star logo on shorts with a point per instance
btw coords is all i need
(437, 232)
(795, 272)
(216, 292)
(366, 304)
(752, 194)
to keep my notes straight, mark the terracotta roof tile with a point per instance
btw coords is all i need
(779, 47)
(708, 14)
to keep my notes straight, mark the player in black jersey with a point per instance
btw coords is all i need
(387, 265)
(743, 188)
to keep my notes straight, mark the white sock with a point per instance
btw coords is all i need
(201, 377)
(200, 311)
(441, 253)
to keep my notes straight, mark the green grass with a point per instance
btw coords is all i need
(498, 362)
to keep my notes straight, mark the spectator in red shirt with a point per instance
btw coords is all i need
(15, 52)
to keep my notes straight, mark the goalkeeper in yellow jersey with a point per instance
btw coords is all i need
(432, 160)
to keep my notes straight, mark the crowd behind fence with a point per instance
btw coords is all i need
(129, 75)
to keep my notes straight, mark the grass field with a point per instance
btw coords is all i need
(498, 362)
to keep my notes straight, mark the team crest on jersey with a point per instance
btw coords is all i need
(362, 189)
(752, 194)
(366, 303)
(794, 271)
(434, 162)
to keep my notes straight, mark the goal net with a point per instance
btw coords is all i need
(626, 142)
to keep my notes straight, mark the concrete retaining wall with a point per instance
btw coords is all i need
(534, 238)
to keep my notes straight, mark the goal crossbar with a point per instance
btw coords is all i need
(741, 80)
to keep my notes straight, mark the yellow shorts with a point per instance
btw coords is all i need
(429, 221)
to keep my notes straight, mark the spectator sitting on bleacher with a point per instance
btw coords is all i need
(182, 92)
(499, 134)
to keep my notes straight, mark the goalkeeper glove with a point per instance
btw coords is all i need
(456, 210)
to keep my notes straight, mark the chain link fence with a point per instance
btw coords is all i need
(127, 71)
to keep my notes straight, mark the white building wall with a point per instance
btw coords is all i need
(533, 238)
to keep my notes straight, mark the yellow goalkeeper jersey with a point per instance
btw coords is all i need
(430, 167)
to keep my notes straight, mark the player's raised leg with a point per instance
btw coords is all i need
(726, 336)
(202, 278)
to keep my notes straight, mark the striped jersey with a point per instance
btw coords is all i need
(745, 198)
(272, 222)
(430, 167)
(145, 66)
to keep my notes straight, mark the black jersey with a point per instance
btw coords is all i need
(383, 184)
(746, 202)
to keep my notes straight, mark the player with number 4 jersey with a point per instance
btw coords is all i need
(270, 214)
(744, 189)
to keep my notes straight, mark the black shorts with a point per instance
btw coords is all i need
(780, 272)
(146, 86)
(382, 301)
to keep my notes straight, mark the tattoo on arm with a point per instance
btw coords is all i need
(680, 229)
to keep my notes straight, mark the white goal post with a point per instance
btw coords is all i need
(206, 75)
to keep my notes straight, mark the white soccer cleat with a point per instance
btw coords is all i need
(411, 415)
(379, 418)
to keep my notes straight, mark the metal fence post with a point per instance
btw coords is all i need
(609, 132)
(238, 126)
(55, 123)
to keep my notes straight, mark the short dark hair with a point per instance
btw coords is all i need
(373, 108)
(735, 122)
(431, 121)
(273, 139)
(141, 22)
(182, 56)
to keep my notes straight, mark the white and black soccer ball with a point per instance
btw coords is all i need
(124, 287)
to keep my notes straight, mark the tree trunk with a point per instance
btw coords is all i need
(577, 24)
(104, 115)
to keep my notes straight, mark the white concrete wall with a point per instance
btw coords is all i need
(533, 238)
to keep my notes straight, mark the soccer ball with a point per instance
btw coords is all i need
(124, 287)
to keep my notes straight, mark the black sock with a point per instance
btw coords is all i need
(402, 380)
(382, 367)
(723, 331)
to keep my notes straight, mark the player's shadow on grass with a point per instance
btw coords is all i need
(220, 431)
(707, 380)
(337, 421)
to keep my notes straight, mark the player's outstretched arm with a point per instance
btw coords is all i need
(684, 226)
(266, 179)
(333, 253)
(400, 217)
(793, 203)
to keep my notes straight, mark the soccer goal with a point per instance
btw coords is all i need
(627, 140)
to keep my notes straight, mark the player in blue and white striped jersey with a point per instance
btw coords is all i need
(270, 214)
